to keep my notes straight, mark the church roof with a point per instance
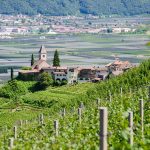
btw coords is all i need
(40, 64)
(43, 49)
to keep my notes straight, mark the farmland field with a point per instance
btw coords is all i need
(75, 49)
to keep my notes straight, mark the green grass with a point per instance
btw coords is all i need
(148, 44)
(33, 103)
(97, 39)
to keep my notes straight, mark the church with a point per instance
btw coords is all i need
(41, 65)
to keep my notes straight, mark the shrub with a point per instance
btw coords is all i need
(26, 68)
(13, 89)
(45, 80)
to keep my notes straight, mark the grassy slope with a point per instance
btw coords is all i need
(54, 98)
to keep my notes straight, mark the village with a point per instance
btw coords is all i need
(73, 75)
(11, 25)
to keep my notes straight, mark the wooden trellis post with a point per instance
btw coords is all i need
(26, 122)
(15, 132)
(11, 143)
(79, 114)
(149, 93)
(103, 128)
(41, 119)
(97, 102)
(130, 118)
(56, 126)
(142, 116)
(21, 123)
(121, 91)
(110, 97)
(81, 105)
(63, 112)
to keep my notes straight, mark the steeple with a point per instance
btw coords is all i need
(42, 53)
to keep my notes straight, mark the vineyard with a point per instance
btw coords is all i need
(80, 124)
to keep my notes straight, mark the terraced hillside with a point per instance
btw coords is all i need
(68, 117)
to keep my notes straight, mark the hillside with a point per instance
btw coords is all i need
(75, 7)
(74, 131)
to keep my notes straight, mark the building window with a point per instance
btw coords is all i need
(44, 56)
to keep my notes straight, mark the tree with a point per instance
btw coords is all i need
(13, 90)
(32, 60)
(109, 30)
(12, 73)
(56, 60)
(45, 80)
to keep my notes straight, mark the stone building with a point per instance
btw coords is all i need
(73, 74)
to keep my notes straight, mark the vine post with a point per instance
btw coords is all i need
(41, 119)
(81, 105)
(15, 132)
(97, 102)
(103, 128)
(110, 97)
(21, 123)
(11, 143)
(56, 127)
(142, 116)
(79, 114)
(63, 112)
(130, 119)
(26, 122)
(121, 91)
(149, 93)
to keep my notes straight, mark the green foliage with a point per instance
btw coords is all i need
(26, 68)
(75, 7)
(60, 83)
(142, 29)
(148, 44)
(85, 135)
(45, 80)
(13, 89)
(56, 60)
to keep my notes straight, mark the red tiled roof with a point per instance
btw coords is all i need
(40, 64)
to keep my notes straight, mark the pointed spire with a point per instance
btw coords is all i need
(42, 53)
(42, 50)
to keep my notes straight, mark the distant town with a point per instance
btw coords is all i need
(27, 25)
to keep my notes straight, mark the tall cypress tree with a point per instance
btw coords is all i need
(12, 73)
(32, 60)
(56, 60)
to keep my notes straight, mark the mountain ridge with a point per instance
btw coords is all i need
(75, 7)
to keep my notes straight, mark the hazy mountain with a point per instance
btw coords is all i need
(75, 7)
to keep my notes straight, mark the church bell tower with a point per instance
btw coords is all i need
(42, 53)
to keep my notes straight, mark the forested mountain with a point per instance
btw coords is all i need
(75, 7)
